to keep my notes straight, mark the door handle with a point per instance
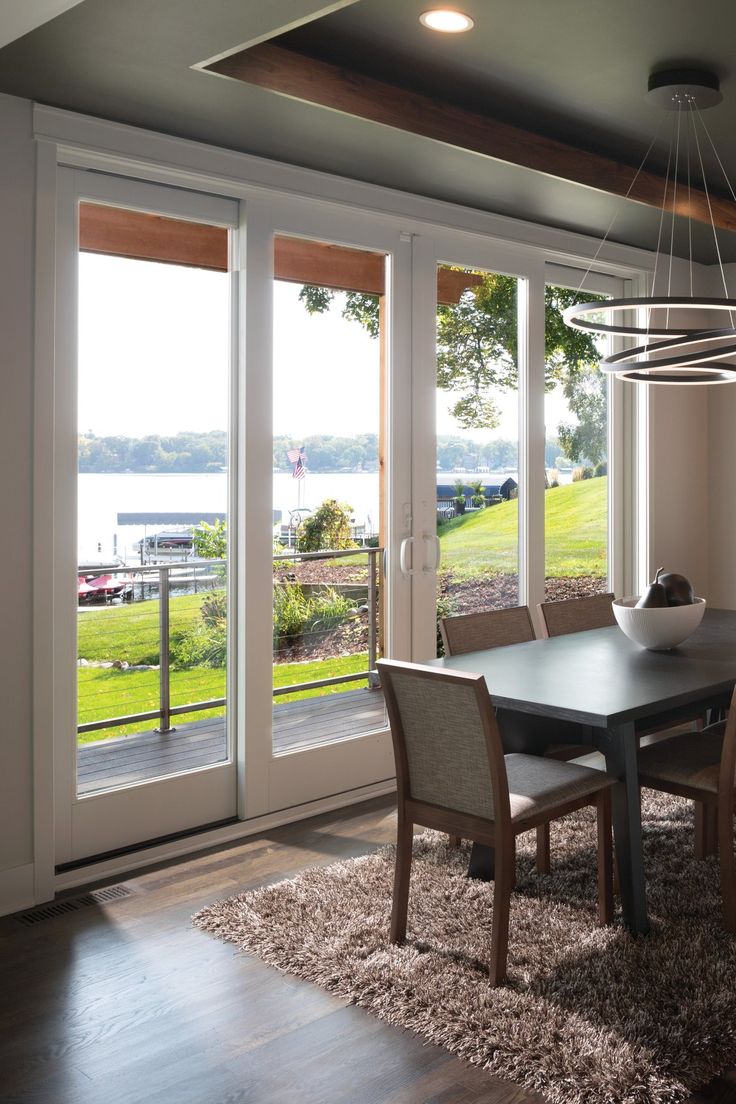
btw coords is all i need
(434, 540)
(405, 570)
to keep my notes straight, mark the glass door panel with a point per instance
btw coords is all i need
(576, 455)
(328, 492)
(153, 381)
(477, 424)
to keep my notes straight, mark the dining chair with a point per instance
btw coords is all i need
(702, 765)
(596, 612)
(474, 632)
(453, 776)
(577, 614)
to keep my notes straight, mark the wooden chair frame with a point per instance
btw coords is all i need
(499, 833)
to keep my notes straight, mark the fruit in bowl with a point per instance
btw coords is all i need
(668, 589)
(658, 628)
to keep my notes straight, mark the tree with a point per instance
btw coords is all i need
(477, 351)
(586, 397)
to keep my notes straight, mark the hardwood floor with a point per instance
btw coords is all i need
(126, 1003)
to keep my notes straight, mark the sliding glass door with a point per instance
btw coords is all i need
(338, 416)
(279, 456)
(515, 478)
(145, 532)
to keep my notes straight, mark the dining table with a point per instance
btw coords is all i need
(603, 681)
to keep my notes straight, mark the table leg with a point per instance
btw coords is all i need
(482, 863)
(619, 746)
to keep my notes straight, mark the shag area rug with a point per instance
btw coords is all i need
(589, 1014)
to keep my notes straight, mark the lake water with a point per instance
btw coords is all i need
(103, 496)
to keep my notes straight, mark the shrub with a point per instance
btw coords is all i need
(210, 541)
(581, 473)
(459, 491)
(295, 614)
(601, 468)
(327, 528)
(445, 608)
(204, 644)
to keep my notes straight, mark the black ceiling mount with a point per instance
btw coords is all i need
(675, 88)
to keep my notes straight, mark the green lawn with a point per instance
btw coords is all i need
(109, 692)
(130, 632)
(486, 541)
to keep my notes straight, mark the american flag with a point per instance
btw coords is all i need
(297, 457)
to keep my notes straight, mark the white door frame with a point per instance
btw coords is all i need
(473, 252)
(162, 806)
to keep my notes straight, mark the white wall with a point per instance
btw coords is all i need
(17, 199)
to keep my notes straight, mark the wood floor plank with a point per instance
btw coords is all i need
(128, 1002)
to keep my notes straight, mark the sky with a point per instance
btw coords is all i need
(153, 359)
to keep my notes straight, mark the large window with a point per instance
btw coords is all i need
(477, 414)
(576, 454)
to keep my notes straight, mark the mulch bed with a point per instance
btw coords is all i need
(467, 596)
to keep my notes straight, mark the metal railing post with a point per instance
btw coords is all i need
(164, 674)
(373, 680)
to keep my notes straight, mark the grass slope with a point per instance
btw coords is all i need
(575, 534)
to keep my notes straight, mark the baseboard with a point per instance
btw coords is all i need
(200, 841)
(16, 889)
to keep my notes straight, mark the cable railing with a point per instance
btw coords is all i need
(147, 641)
(374, 609)
(132, 587)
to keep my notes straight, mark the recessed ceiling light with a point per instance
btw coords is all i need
(444, 19)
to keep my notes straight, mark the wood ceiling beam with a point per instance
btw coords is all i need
(146, 237)
(318, 82)
(141, 236)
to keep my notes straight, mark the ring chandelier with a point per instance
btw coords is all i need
(697, 353)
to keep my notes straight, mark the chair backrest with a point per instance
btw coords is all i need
(473, 632)
(446, 741)
(577, 614)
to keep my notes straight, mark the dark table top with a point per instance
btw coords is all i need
(602, 678)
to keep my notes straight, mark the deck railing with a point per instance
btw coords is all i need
(375, 620)
(194, 578)
(141, 583)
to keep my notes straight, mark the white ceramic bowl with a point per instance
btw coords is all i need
(658, 629)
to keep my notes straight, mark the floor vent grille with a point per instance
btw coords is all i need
(72, 904)
(107, 893)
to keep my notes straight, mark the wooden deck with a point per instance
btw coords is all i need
(296, 725)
